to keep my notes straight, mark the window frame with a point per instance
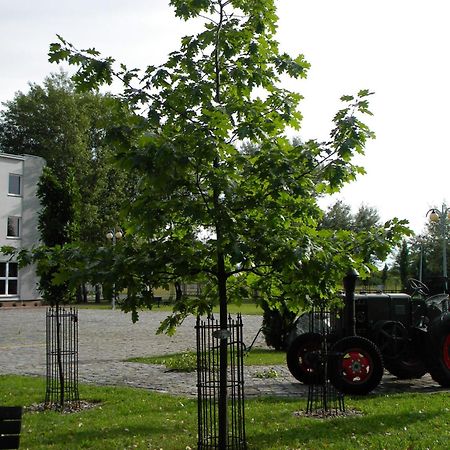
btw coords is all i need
(7, 279)
(19, 227)
(20, 177)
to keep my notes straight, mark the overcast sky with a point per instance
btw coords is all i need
(399, 49)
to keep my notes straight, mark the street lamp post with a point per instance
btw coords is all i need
(113, 236)
(441, 217)
(421, 262)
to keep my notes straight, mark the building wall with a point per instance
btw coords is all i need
(26, 206)
(10, 205)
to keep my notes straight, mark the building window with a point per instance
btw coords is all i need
(8, 278)
(15, 184)
(13, 230)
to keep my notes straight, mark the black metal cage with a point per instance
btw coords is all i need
(323, 398)
(210, 336)
(62, 356)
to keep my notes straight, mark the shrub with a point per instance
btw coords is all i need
(277, 324)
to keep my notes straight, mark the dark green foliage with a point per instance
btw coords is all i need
(57, 219)
(277, 324)
(59, 199)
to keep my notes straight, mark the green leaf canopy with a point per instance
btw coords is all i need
(223, 195)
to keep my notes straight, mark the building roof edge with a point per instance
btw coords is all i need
(22, 157)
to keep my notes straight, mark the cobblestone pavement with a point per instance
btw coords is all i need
(107, 338)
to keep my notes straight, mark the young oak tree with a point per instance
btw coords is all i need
(205, 207)
(223, 196)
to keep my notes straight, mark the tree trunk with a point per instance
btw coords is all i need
(98, 293)
(84, 293)
(223, 358)
(79, 295)
(59, 357)
(223, 322)
(178, 291)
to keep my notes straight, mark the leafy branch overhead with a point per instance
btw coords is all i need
(223, 195)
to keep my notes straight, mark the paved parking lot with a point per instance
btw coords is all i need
(107, 338)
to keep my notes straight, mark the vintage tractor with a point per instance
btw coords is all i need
(398, 332)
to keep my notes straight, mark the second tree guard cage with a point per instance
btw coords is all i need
(209, 335)
(62, 357)
(323, 398)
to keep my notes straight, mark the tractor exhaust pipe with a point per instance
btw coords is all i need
(350, 315)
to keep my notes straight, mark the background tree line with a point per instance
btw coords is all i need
(421, 256)
(81, 190)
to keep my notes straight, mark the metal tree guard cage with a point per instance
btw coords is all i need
(323, 398)
(209, 335)
(62, 356)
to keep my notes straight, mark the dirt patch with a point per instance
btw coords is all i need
(69, 407)
(330, 414)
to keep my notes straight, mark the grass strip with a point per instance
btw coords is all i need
(187, 361)
(244, 308)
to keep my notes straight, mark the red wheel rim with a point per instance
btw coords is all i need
(446, 352)
(356, 366)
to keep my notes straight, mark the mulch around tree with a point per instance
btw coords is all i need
(328, 414)
(69, 407)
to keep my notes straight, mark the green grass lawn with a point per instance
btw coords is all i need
(128, 418)
(244, 308)
(92, 305)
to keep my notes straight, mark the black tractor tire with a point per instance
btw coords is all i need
(406, 368)
(303, 358)
(355, 365)
(438, 360)
(391, 337)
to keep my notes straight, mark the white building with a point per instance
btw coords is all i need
(19, 176)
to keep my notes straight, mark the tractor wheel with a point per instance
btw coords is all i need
(391, 338)
(355, 365)
(303, 358)
(438, 361)
(406, 368)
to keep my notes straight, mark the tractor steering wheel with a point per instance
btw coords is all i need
(418, 286)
